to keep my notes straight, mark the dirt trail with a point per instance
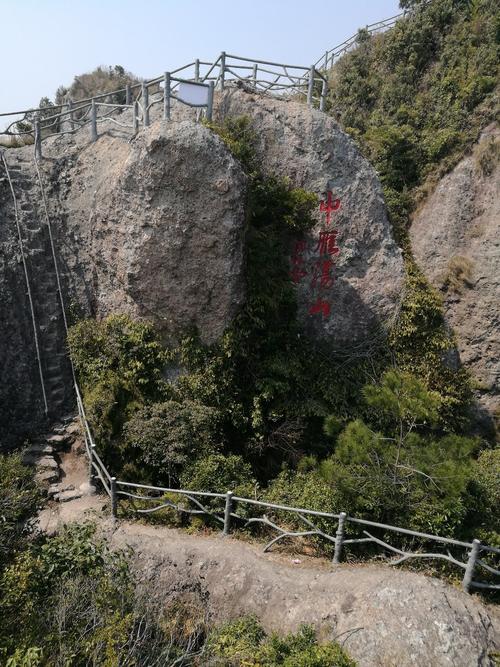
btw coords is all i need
(384, 616)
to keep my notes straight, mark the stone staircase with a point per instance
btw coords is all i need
(56, 368)
(48, 454)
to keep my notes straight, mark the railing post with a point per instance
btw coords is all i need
(324, 92)
(339, 538)
(91, 467)
(197, 70)
(222, 69)
(145, 105)
(166, 96)
(93, 120)
(210, 102)
(70, 115)
(114, 498)
(255, 69)
(326, 60)
(227, 513)
(128, 94)
(471, 564)
(310, 87)
(38, 141)
(135, 122)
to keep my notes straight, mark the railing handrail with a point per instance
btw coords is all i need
(86, 102)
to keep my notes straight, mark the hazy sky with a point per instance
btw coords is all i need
(44, 43)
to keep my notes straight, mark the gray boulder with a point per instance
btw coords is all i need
(155, 228)
(456, 240)
(349, 270)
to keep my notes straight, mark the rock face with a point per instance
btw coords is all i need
(456, 240)
(382, 616)
(349, 270)
(156, 228)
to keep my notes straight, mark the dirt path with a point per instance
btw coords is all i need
(384, 616)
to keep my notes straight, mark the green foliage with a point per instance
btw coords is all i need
(422, 345)
(405, 475)
(485, 497)
(120, 366)
(244, 642)
(164, 437)
(119, 345)
(403, 398)
(19, 502)
(416, 96)
(70, 600)
(219, 473)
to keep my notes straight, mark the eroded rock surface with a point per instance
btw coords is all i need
(383, 616)
(361, 287)
(456, 240)
(155, 227)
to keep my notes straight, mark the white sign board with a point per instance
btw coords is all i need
(193, 93)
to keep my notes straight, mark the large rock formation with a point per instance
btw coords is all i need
(154, 226)
(349, 271)
(456, 240)
(383, 617)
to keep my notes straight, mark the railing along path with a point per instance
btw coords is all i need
(192, 85)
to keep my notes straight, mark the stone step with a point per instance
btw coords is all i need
(39, 449)
(39, 460)
(58, 439)
(46, 477)
(67, 496)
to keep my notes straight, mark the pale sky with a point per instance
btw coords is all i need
(44, 43)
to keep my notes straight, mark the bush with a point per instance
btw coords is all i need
(219, 473)
(119, 365)
(100, 80)
(405, 475)
(164, 437)
(244, 642)
(19, 502)
(69, 600)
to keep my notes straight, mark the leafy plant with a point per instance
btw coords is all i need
(165, 437)
(20, 500)
(244, 642)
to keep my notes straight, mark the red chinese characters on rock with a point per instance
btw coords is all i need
(327, 248)
(327, 243)
(329, 206)
(322, 277)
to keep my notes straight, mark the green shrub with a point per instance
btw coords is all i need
(19, 502)
(244, 642)
(219, 473)
(406, 475)
(164, 437)
(70, 600)
(119, 364)
(122, 346)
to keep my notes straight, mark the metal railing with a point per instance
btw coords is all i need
(228, 513)
(261, 76)
(327, 60)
